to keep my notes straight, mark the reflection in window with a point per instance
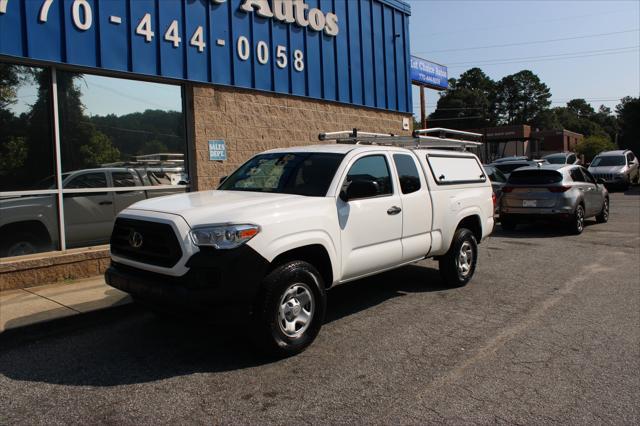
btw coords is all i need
(407, 172)
(134, 131)
(26, 143)
(87, 180)
(110, 122)
(371, 168)
(28, 224)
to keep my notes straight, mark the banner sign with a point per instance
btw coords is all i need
(351, 51)
(429, 74)
(217, 150)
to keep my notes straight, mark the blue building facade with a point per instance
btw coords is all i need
(350, 51)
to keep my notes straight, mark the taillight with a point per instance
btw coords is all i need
(507, 189)
(559, 188)
(494, 199)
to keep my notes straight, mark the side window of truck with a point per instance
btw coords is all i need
(374, 168)
(407, 173)
(459, 169)
(88, 180)
(124, 179)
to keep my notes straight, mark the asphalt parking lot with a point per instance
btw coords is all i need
(548, 331)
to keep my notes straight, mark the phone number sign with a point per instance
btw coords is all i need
(325, 49)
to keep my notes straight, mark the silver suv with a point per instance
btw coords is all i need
(566, 192)
(619, 168)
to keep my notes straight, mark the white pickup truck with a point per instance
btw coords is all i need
(292, 223)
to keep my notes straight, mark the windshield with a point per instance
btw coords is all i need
(609, 160)
(535, 177)
(508, 168)
(494, 174)
(556, 159)
(49, 182)
(286, 173)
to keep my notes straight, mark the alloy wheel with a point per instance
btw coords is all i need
(296, 310)
(465, 259)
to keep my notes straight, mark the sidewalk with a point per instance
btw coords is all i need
(33, 305)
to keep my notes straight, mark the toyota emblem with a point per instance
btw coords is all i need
(135, 239)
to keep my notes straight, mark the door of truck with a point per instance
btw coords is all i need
(371, 228)
(416, 207)
(88, 216)
(126, 179)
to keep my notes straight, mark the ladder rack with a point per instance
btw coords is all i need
(419, 139)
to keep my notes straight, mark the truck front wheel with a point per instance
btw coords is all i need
(459, 264)
(290, 310)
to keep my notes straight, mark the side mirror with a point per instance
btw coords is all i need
(359, 189)
(601, 181)
(222, 179)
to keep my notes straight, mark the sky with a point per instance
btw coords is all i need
(594, 53)
(457, 33)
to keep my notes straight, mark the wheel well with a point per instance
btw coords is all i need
(473, 224)
(38, 229)
(314, 254)
(31, 226)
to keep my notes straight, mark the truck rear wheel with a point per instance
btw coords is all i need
(290, 310)
(459, 264)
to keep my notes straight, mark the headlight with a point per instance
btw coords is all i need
(223, 236)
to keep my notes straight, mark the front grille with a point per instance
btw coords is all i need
(605, 176)
(159, 245)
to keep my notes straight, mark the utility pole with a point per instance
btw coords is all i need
(423, 108)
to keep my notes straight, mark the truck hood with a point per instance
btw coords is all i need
(209, 207)
(607, 169)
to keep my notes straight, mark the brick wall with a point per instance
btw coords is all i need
(250, 122)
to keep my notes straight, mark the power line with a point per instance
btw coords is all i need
(558, 101)
(556, 59)
(529, 42)
(542, 56)
(456, 118)
(527, 23)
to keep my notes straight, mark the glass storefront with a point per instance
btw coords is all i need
(120, 141)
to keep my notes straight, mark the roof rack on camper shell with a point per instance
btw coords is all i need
(418, 139)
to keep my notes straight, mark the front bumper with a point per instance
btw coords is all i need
(218, 283)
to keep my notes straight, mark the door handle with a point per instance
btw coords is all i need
(394, 210)
(105, 203)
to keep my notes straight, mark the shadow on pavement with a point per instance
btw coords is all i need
(129, 345)
(538, 230)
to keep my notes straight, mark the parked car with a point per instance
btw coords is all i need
(506, 167)
(616, 168)
(29, 224)
(498, 180)
(291, 223)
(565, 192)
(563, 158)
(511, 158)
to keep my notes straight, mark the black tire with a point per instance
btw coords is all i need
(20, 243)
(451, 268)
(289, 286)
(576, 226)
(508, 223)
(603, 217)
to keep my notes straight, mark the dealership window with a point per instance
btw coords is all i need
(120, 141)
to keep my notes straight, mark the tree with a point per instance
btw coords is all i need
(593, 145)
(98, 150)
(546, 120)
(520, 97)
(629, 121)
(580, 107)
(467, 104)
(9, 81)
